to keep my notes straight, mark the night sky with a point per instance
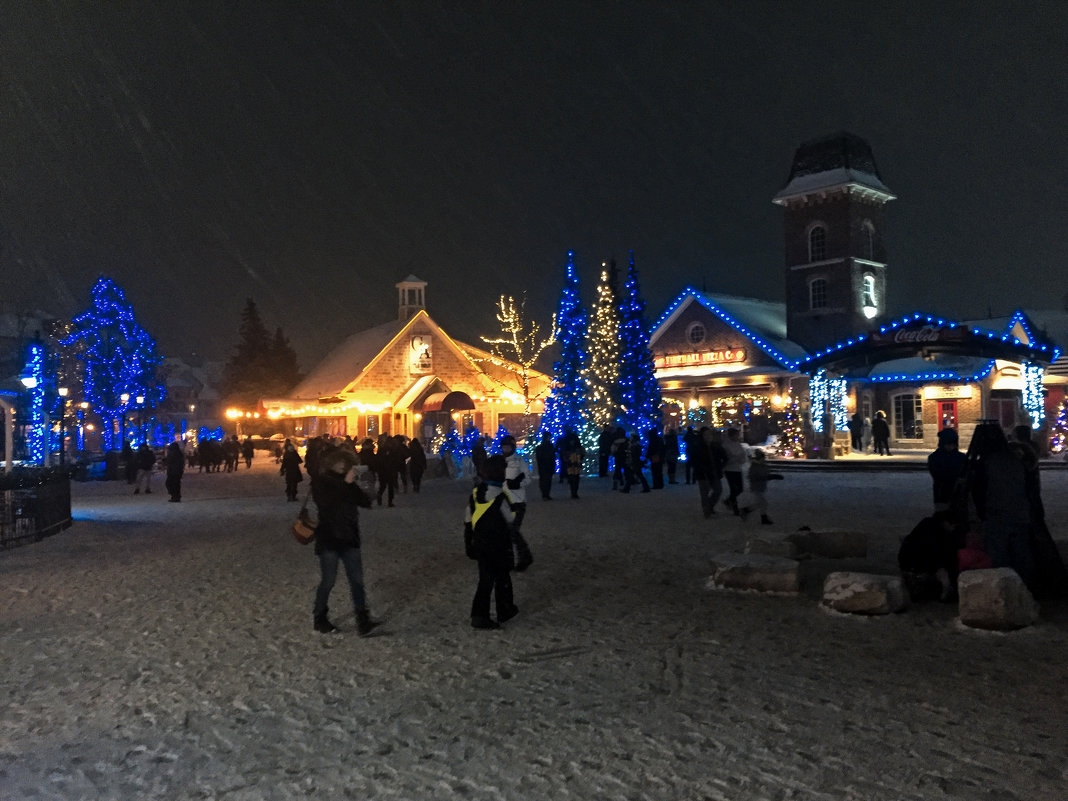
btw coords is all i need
(310, 155)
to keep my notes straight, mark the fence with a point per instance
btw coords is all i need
(30, 513)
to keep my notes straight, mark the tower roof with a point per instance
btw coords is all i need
(841, 159)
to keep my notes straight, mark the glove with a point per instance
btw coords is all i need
(515, 483)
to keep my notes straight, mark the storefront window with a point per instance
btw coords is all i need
(908, 416)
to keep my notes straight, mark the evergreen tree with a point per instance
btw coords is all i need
(261, 366)
(793, 430)
(639, 391)
(1058, 441)
(120, 357)
(565, 408)
(604, 355)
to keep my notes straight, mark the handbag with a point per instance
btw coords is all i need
(303, 528)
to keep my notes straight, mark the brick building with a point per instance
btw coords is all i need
(407, 377)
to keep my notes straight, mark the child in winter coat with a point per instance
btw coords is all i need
(759, 476)
(488, 520)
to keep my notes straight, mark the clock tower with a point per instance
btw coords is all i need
(834, 227)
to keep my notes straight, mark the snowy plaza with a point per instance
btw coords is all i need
(159, 650)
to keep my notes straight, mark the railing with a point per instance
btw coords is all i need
(33, 507)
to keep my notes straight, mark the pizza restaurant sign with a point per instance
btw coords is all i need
(699, 359)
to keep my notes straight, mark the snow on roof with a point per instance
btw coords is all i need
(346, 361)
(840, 176)
(940, 367)
(759, 320)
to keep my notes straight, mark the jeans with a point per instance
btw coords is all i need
(353, 562)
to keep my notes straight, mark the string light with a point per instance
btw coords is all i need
(565, 408)
(1033, 399)
(604, 356)
(639, 391)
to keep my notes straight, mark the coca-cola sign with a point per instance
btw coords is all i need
(926, 334)
(920, 335)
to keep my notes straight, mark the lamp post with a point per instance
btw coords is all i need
(125, 398)
(81, 425)
(140, 399)
(62, 392)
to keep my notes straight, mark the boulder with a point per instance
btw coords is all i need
(754, 571)
(771, 546)
(864, 593)
(831, 544)
(995, 598)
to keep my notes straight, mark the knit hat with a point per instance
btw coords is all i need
(494, 468)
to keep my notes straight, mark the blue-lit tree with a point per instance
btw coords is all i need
(639, 392)
(120, 357)
(566, 406)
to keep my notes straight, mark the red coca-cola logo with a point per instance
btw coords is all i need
(926, 334)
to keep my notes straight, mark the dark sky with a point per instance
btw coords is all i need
(312, 154)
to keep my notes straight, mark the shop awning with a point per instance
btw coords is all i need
(448, 402)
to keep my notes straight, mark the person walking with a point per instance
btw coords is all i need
(633, 473)
(604, 450)
(690, 442)
(416, 463)
(880, 434)
(247, 452)
(671, 454)
(146, 463)
(545, 459)
(337, 537)
(574, 453)
(175, 461)
(400, 446)
(708, 458)
(290, 469)
(620, 455)
(386, 463)
(488, 518)
(515, 477)
(759, 475)
(654, 452)
(735, 465)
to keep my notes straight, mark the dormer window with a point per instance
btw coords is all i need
(817, 243)
(867, 296)
(817, 293)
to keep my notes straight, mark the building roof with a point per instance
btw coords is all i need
(938, 367)
(761, 321)
(341, 365)
(841, 159)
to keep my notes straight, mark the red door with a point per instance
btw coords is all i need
(947, 414)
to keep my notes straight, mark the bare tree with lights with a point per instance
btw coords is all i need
(519, 344)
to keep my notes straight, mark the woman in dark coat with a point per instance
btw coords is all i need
(337, 536)
(290, 469)
(175, 468)
(545, 456)
(416, 463)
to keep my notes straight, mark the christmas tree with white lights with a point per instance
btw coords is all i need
(639, 391)
(604, 355)
(793, 430)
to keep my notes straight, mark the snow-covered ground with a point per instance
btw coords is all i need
(160, 650)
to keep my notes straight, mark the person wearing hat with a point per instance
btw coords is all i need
(488, 518)
(946, 466)
(337, 536)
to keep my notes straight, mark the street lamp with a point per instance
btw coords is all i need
(141, 417)
(63, 392)
(125, 398)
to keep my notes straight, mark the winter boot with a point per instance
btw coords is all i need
(324, 626)
(479, 622)
(364, 624)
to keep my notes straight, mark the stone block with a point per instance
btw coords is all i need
(995, 598)
(831, 544)
(771, 546)
(753, 571)
(864, 593)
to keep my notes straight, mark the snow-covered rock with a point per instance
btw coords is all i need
(771, 546)
(995, 598)
(864, 593)
(754, 571)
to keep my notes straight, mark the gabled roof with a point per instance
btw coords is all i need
(349, 359)
(762, 322)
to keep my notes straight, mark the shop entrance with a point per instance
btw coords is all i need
(947, 414)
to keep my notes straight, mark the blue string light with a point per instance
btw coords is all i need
(38, 433)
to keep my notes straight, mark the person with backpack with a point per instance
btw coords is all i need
(488, 519)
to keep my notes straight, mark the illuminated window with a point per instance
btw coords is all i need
(817, 243)
(867, 296)
(908, 416)
(695, 333)
(817, 294)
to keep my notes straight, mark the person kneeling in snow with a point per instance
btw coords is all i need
(759, 475)
(488, 519)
